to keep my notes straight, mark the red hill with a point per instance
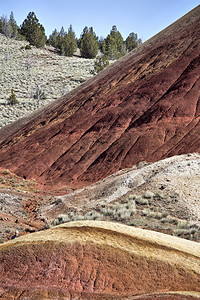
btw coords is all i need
(146, 106)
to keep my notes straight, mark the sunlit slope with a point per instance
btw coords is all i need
(99, 259)
(144, 107)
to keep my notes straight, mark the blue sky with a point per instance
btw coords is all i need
(144, 17)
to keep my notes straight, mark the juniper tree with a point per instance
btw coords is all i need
(113, 45)
(70, 43)
(53, 39)
(60, 41)
(33, 31)
(100, 63)
(13, 26)
(88, 43)
(132, 41)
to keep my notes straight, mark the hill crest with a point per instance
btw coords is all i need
(144, 107)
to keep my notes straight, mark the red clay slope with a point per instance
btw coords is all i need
(146, 106)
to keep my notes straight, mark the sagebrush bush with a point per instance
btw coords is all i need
(148, 195)
(139, 200)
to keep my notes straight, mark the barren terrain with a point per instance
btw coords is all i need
(88, 258)
(121, 148)
(162, 196)
(143, 107)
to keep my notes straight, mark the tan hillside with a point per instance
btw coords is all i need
(98, 259)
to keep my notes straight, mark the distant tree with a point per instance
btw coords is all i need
(39, 38)
(53, 39)
(1, 25)
(60, 39)
(101, 39)
(12, 100)
(33, 31)
(62, 32)
(100, 63)
(70, 43)
(132, 41)
(113, 45)
(5, 27)
(88, 43)
(13, 26)
(66, 43)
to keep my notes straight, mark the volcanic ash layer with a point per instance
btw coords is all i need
(99, 260)
(146, 106)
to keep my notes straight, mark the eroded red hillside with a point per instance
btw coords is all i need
(146, 106)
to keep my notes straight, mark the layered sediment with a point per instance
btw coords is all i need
(99, 260)
(146, 106)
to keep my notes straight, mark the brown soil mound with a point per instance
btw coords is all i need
(144, 107)
(99, 260)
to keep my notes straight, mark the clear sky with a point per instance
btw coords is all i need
(144, 17)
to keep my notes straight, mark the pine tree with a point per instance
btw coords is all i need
(13, 26)
(101, 39)
(1, 26)
(70, 44)
(113, 46)
(132, 41)
(61, 38)
(53, 39)
(88, 43)
(33, 31)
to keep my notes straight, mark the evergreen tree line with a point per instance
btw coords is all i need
(113, 46)
(30, 30)
(66, 43)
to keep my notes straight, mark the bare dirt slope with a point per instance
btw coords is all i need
(98, 259)
(143, 107)
(161, 196)
(175, 176)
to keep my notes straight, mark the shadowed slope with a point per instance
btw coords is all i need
(146, 106)
(99, 259)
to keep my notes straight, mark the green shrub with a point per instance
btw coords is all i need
(12, 100)
(28, 47)
(100, 63)
(39, 95)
